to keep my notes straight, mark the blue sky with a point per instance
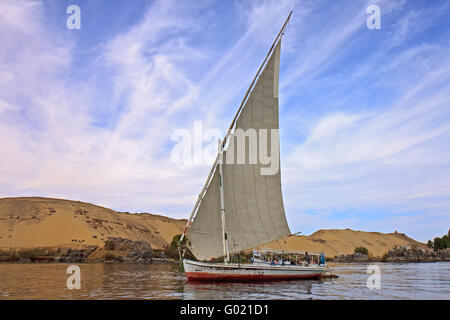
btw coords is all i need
(364, 114)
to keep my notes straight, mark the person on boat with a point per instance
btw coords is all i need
(322, 259)
(307, 257)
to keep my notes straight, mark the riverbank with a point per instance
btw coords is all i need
(401, 253)
(126, 251)
(58, 230)
(114, 250)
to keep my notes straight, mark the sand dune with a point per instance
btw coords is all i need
(44, 222)
(39, 222)
(334, 242)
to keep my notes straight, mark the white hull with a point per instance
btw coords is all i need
(202, 271)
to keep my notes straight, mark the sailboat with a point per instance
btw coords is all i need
(241, 206)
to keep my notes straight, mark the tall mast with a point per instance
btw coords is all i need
(226, 252)
(216, 161)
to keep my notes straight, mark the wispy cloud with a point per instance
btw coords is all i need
(385, 163)
(364, 114)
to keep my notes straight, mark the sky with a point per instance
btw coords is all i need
(88, 114)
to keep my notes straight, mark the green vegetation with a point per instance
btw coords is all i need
(8, 256)
(440, 243)
(36, 254)
(362, 250)
(172, 250)
(175, 240)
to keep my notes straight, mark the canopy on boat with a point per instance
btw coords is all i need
(253, 199)
(264, 251)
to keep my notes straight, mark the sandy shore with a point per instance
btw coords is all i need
(43, 222)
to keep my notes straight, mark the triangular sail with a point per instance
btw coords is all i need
(254, 208)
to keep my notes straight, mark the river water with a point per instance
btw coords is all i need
(161, 281)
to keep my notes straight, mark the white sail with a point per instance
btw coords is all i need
(254, 210)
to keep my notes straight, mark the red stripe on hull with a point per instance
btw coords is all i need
(207, 276)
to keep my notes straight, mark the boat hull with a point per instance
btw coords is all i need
(201, 271)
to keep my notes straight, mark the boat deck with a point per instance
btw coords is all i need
(204, 271)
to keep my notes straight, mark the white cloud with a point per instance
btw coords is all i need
(160, 78)
(390, 160)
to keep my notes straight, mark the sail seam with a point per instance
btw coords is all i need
(246, 204)
(258, 95)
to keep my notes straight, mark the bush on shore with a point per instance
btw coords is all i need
(362, 250)
(35, 254)
(171, 251)
(440, 243)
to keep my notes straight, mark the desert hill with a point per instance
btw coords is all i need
(334, 242)
(44, 222)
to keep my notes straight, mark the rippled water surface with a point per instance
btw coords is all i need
(159, 281)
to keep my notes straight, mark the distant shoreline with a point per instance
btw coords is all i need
(330, 264)
(59, 230)
(168, 261)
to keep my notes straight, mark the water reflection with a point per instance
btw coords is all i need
(264, 290)
(159, 281)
